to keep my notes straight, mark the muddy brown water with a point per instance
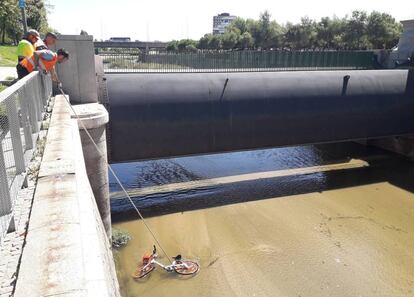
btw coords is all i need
(327, 220)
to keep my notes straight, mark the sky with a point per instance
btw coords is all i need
(178, 19)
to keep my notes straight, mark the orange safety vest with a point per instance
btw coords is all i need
(28, 63)
(44, 64)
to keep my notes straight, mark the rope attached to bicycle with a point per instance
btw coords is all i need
(116, 177)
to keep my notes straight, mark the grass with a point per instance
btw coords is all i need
(2, 87)
(8, 55)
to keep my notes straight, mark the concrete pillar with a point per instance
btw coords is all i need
(101, 82)
(78, 73)
(406, 42)
(95, 117)
(405, 47)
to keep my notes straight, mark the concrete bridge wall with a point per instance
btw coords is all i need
(67, 252)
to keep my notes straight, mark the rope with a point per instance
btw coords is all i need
(116, 177)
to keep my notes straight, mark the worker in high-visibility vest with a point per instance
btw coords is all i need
(26, 46)
(43, 60)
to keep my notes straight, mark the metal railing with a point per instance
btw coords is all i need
(21, 111)
(136, 60)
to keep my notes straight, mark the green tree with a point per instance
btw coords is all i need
(246, 41)
(355, 35)
(172, 45)
(230, 40)
(273, 36)
(239, 24)
(186, 45)
(253, 28)
(329, 33)
(191, 48)
(301, 36)
(11, 28)
(203, 42)
(9, 17)
(360, 31)
(337, 28)
(214, 42)
(382, 30)
(36, 15)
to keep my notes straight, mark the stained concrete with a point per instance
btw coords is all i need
(94, 117)
(78, 73)
(67, 252)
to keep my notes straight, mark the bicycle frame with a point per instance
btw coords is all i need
(184, 267)
(165, 267)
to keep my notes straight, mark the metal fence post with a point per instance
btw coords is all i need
(43, 87)
(5, 199)
(37, 99)
(14, 126)
(33, 111)
(27, 128)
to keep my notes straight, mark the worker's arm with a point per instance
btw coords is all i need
(43, 52)
(54, 75)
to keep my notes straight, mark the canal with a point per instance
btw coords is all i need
(325, 220)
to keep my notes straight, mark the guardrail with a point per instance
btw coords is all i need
(21, 111)
(136, 60)
(131, 44)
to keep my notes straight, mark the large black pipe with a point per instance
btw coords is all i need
(164, 115)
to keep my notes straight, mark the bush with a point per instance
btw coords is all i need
(120, 238)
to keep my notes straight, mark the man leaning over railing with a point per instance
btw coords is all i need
(43, 60)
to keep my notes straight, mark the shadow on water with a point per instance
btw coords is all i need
(383, 167)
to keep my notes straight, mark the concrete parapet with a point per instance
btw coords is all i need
(406, 42)
(405, 47)
(78, 73)
(67, 252)
(94, 118)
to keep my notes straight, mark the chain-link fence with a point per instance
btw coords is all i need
(21, 111)
(136, 60)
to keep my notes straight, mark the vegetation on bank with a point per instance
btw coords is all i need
(11, 29)
(125, 62)
(360, 31)
(120, 238)
(8, 56)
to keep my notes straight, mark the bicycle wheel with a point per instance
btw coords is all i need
(143, 271)
(187, 267)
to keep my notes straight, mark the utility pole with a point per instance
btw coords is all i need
(22, 5)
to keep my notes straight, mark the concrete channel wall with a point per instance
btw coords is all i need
(67, 252)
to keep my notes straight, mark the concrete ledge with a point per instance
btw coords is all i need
(67, 252)
(92, 115)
